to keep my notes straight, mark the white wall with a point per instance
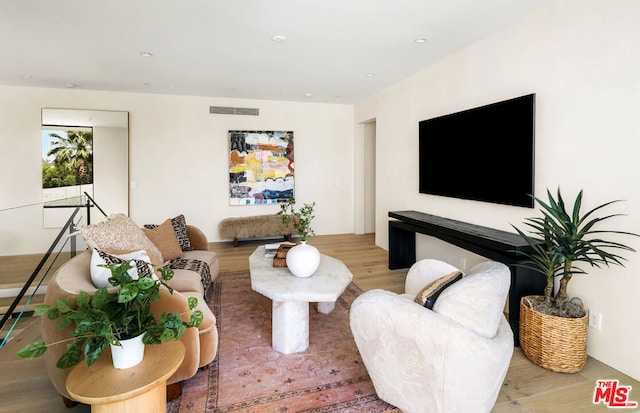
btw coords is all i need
(111, 169)
(179, 157)
(369, 209)
(582, 60)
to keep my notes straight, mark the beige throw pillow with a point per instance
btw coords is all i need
(180, 227)
(429, 294)
(118, 232)
(164, 237)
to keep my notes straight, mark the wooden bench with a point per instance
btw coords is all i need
(254, 227)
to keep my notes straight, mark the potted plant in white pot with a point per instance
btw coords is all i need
(553, 328)
(112, 317)
(303, 259)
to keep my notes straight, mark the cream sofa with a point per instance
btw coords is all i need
(201, 344)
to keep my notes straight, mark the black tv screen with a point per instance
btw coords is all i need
(483, 154)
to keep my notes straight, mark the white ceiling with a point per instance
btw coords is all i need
(224, 47)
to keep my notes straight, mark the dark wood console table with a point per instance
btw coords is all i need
(490, 243)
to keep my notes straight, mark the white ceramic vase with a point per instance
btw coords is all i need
(129, 354)
(303, 259)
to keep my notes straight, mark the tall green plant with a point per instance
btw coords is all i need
(560, 239)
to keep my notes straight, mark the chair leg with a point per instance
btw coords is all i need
(174, 391)
(68, 403)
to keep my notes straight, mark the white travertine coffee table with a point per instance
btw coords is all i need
(291, 297)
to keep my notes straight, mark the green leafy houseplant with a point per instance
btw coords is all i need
(560, 239)
(111, 315)
(300, 219)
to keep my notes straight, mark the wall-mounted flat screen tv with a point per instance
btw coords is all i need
(483, 154)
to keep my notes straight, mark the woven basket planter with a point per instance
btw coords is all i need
(555, 343)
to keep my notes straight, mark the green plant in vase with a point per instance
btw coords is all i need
(111, 315)
(553, 329)
(303, 259)
(300, 219)
(560, 239)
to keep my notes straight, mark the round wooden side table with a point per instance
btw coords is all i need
(142, 388)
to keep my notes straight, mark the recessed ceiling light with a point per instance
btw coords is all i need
(70, 85)
(370, 74)
(278, 38)
(26, 77)
(145, 54)
(308, 95)
(421, 40)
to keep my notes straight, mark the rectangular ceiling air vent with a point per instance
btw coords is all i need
(227, 110)
(248, 111)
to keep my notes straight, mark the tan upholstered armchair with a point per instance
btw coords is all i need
(452, 358)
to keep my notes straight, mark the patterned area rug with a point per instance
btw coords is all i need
(249, 376)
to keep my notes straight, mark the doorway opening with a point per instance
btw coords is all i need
(369, 174)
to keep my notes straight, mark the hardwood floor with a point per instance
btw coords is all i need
(24, 386)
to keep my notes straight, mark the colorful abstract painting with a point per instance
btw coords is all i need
(261, 167)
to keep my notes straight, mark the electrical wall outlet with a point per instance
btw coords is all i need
(595, 319)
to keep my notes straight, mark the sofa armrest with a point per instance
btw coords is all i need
(178, 303)
(171, 303)
(197, 238)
